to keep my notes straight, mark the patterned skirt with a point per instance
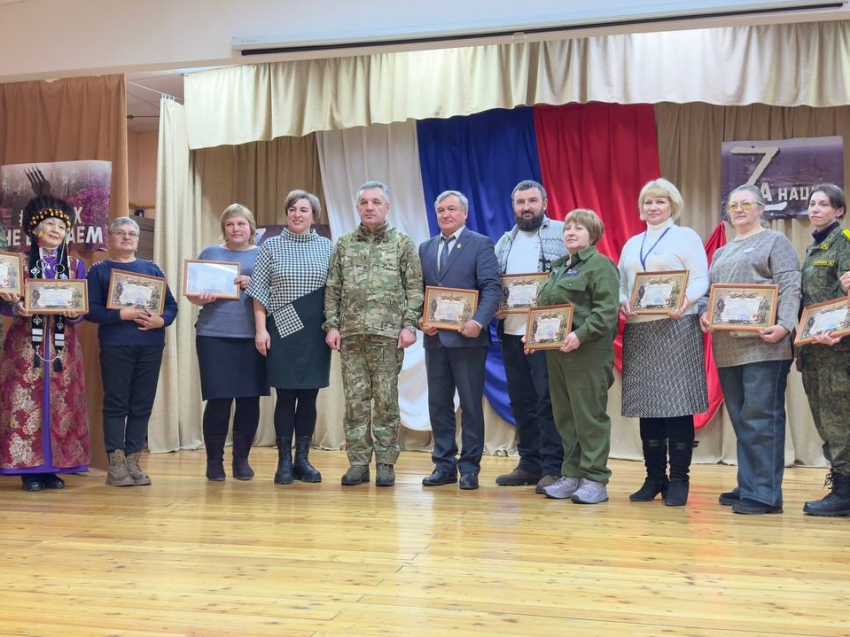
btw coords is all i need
(664, 369)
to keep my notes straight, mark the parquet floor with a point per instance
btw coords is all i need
(193, 558)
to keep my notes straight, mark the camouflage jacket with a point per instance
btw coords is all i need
(374, 284)
(823, 266)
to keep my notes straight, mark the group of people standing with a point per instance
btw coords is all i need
(302, 297)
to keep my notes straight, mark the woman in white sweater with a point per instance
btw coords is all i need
(663, 359)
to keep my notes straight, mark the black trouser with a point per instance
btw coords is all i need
(295, 411)
(130, 374)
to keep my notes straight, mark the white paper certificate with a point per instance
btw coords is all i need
(828, 321)
(739, 309)
(522, 295)
(133, 294)
(656, 295)
(547, 329)
(448, 310)
(54, 297)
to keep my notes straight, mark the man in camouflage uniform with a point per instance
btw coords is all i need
(826, 363)
(373, 301)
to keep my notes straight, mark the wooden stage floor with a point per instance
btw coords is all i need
(189, 557)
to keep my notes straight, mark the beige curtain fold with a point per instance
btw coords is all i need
(69, 120)
(724, 66)
(689, 143)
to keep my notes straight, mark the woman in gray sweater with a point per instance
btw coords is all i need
(754, 367)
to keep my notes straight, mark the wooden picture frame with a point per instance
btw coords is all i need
(658, 292)
(519, 291)
(742, 308)
(12, 273)
(56, 296)
(830, 316)
(549, 326)
(131, 289)
(215, 277)
(448, 308)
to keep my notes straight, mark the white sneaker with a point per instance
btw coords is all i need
(590, 492)
(562, 489)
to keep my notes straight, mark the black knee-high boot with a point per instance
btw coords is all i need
(245, 422)
(680, 431)
(653, 435)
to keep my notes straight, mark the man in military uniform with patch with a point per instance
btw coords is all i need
(373, 301)
(826, 362)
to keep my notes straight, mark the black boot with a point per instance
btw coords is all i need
(837, 502)
(283, 475)
(242, 441)
(303, 470)
(681, 454)
(655, 459)
(215, 457)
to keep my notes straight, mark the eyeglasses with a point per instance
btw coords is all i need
(120, 233)
(746, 206)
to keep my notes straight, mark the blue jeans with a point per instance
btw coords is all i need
(538, 442)
(755, 401)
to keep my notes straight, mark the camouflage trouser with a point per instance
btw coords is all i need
(370, 368)
(826, 379)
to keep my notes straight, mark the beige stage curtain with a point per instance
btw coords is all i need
(781, 65)
(689, 141)
(69, 120)
(194, 188)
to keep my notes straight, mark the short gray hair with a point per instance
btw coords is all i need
(528, 184)
(464, 202)
(753, 190)
(122, 221)
(374, 184)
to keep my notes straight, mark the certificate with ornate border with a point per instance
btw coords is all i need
(658, 292)
(215, 277)
(130, 289)
(11, 267)
(519, 291)
(830, 316)
(742, 308)
(549, 326)
(56, 296)
(448, 308)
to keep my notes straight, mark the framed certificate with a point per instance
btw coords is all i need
(742, 308)
(830, 316)
(519, 291)
(658, 292)
(11, 268)
(216, 277)
(548, 327)
(129, 289)
(449, 308)
(56, 296)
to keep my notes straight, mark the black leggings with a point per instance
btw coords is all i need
(217, 415)
(676, 429)
(295, 411)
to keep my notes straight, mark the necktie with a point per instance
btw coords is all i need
(444, 255)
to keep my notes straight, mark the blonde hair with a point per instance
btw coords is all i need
(590, 220)
(238, 210)
(662, 188)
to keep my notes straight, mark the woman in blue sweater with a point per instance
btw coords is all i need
(131, 343)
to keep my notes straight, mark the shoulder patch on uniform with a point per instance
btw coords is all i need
(846, 234)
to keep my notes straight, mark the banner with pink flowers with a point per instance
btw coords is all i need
(85, 185)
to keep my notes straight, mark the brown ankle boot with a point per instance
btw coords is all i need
(140, 478)
(117, 474)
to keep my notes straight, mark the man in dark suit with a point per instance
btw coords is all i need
(454, 359)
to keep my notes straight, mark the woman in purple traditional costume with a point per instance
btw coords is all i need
(43, 422)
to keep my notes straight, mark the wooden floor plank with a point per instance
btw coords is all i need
(193, 558)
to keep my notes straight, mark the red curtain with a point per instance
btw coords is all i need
(599, 156)
(715, 393)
